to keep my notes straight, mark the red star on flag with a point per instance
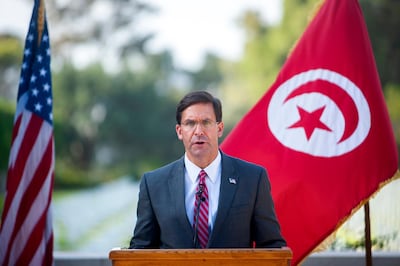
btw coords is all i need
(310, 121)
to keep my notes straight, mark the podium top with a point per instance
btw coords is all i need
(184, 257)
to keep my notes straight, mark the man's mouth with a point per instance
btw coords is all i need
(199, 142)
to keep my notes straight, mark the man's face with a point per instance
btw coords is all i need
(199, 133)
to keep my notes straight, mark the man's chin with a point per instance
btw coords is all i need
(200, 151)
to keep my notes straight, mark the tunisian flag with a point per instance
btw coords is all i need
(322, 130)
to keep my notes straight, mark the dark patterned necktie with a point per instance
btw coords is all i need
(201, 206)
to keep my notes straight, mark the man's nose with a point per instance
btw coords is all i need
(198, 129)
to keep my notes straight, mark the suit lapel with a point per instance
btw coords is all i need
(229, 183)
(176, 185)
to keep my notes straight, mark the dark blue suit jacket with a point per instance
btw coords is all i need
(245, 211)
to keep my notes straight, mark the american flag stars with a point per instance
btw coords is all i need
(38, 88)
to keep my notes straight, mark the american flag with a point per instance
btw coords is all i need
(26, 232)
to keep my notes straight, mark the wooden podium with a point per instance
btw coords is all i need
(186, 257)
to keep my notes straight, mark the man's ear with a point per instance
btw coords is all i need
(220, 129)
(178, 130)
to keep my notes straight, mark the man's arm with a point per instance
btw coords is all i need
(266, 229)
(147, 230)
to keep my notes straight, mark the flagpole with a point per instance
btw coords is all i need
(367, 232)
(40, 20)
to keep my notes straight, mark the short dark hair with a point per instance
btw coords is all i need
(198, 97)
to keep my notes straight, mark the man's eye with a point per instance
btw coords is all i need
(189, 123)
(206, 123)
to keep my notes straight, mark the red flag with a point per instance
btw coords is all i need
(322, 130)
(26, 233)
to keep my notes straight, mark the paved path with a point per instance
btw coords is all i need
(97, 219)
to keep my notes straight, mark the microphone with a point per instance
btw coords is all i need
(201, 189)
(199, 194)
(199, 199)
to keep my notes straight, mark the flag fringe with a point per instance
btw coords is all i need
(328, 240)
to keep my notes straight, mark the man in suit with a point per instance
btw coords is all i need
(229, 205)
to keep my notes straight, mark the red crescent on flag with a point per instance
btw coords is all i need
(338, 96)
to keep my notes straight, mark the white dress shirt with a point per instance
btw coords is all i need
(213, 182)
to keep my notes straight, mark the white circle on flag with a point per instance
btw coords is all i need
(326, 139)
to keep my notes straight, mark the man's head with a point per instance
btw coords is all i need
(199, 125)
(198, 97)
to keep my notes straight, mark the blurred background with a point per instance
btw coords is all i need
(120, 66)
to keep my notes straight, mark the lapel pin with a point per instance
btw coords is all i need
(232, 180)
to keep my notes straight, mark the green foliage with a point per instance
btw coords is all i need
(107, 125)
(392, 96)
(71, 177)
(2, 197)
(266, 49)
(10, 51)
(10, 58)
(111, 124)
(7, 110)
(383, 19)
(357, 242)
(104, 22)
(75, 93)
(139, 123)
(6, 124)
(210, 75)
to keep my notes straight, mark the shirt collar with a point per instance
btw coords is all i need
(212, 170)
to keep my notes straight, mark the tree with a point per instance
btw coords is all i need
(209, 76)
(99, 29)
(10, 60)
(114, 123)
(383, 18)
(266, 49)
(6, 125)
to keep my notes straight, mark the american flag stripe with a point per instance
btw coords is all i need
(18, 138)
(16, 179)
(36, 192)
(24, 256)
(47, 242)
(32, 192)
(44, 244)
